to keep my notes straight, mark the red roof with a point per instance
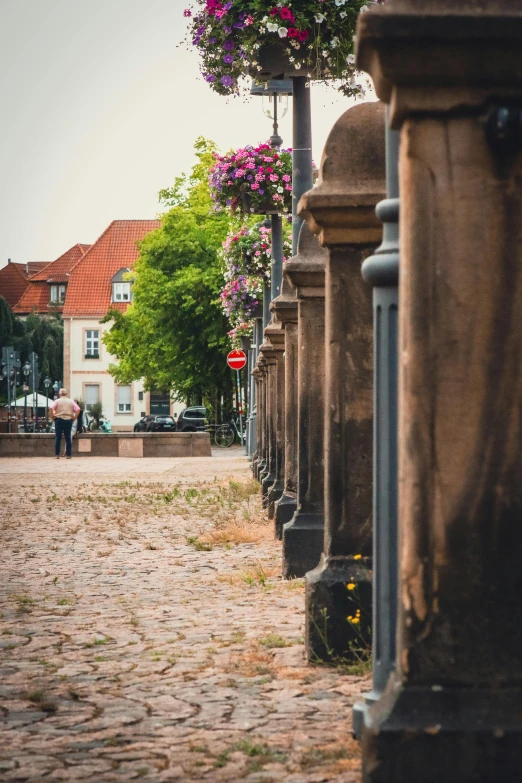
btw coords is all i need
(89, 290)
(32, 267)
(13, 283)
(37, 296)
(58, 271)
(34, 299)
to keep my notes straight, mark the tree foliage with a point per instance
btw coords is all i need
(44, 336)
(173, 335)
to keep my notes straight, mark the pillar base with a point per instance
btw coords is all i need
(330, 636)
(267, 480)
(455, 735)
(274, 493)
(285, 509)
(303, 539)
(260, 466)
(359, 711)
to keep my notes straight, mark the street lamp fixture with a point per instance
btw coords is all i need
(275, 103)
(47, 384)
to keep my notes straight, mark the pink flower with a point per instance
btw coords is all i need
(187, 12)
(286, 178)
(274, 178)
(254, 186)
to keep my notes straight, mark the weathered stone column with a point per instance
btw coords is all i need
(285, 310)
(276, 337)
(303, 535)
(261, 421)
(267, 477)
(341, 210)
(452, 711)
(258, 326)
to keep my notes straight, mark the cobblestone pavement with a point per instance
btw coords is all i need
(145, 633)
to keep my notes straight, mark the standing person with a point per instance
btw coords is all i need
(77, 425)
(63, 412)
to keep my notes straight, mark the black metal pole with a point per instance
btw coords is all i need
(25, 406)
(266, 303)
(382, 272)
(302, 172)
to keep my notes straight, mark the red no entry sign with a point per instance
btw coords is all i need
(236, 360)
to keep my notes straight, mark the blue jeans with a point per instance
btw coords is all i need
(63, 426)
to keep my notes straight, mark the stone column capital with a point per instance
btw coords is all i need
(306, 270)
(341, 208)
(267, 351)
(275, 335)
(284, 306)
(438, 56)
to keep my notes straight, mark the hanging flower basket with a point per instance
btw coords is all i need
(248, 250)
(253, 180)
(242, 332)
(240, 298)
(265, 39)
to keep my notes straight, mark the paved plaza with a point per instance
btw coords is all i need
(145, 632)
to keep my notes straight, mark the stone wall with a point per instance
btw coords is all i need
(143, 444)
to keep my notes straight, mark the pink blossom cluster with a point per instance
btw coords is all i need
(254, 179)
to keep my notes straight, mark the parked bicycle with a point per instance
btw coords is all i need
(226, 434)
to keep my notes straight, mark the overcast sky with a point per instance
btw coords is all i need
(100, 107)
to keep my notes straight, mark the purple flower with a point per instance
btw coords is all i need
(239, 25)
(227, 81)
(227, 6)
(212, 40)
(227, 29)
(210, 77)
(228, 58)
(242, 15)
(228, 45)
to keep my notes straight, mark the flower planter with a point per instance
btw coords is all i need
(275, 64)
(245, 344)
(258, 311)
(261, 208)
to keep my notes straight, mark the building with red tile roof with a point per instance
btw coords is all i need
(96, 284)
(46, 288)
(13, 282)
(90, 290)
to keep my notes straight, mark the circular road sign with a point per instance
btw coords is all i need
(236, 360)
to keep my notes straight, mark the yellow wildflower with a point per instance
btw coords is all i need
(351, 586)
(357, 557)
(349, 618)
(355, 620)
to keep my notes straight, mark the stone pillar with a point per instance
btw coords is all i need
(258, 327)
(285, 310)
(303, 535)
(267, 477)
(451, 712)
(261, 408)
(341, 210)
(276, 336)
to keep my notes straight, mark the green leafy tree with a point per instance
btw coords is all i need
(174, 334)
(44, 336)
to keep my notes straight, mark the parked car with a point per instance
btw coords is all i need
(192, 419)
(155, 423)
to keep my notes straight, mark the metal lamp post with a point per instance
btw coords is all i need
(26, 371)
(56, 389)
(47, 384)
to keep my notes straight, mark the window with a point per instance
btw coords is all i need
(124, 399)
(140, 396)
(121, 292)
(58, 294)
(92, 395)
(92, 343)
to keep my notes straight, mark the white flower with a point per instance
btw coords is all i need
(340, 2)
(271, 27)
(280, 190)
(283, 32)
(350, 59)
(342, 14)
(319, 18)
(325, 52)
(334, 42)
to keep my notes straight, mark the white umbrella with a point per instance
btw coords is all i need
(41, 401)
